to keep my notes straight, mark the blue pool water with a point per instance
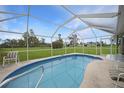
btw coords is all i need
(61, 72)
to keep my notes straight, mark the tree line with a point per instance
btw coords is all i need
(33, 41)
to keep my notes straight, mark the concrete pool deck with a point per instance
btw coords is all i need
(97, 75)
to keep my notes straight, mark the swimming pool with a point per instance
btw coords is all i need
(65, 71)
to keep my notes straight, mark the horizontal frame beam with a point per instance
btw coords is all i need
(13, 32)
(62, 25)
(78, 30)
(98, 15)
(106, 29)
(14, 13)
(10, 18)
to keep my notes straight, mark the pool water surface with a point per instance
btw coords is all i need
(61, 72)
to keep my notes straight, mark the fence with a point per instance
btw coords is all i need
(102, 46)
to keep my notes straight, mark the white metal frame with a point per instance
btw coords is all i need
(79, 16)
(111, 48)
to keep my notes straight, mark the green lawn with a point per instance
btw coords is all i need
(39, 52)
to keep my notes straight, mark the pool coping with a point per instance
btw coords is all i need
(97, 75)
(25, 63)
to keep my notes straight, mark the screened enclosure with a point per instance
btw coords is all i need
(43, 31)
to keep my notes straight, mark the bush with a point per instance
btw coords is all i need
(57, 44)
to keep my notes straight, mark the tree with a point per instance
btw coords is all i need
(98, 44)
(58, 43)
(42, 41)
(32, 39)
(32, 33)
(73, 39)
(21, 43)
(7, 43)
(14, 43)
(59, 35)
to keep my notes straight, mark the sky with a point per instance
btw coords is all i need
(50, 17)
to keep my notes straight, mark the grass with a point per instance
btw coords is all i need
(39, 52)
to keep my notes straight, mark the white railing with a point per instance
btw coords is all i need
(40, 78)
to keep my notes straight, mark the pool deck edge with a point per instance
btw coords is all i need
(12, 67)
(97, 75)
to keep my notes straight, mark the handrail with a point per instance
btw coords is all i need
(40, 78)
(19, 75)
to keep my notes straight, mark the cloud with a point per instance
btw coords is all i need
(3, 25)
(76, 24)
(48, 29)
(10, 35)
(89, 9)
(107, 22)
(86, 33)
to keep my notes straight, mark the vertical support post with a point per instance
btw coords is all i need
(96, 46)
(27, 49)
(122, 45)
(51, 47)
(96, 39)
(111, 46)
(100, 46)
(117, 44)
(74, 47)
(28, 32)
(83, 46)
(65, 47)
